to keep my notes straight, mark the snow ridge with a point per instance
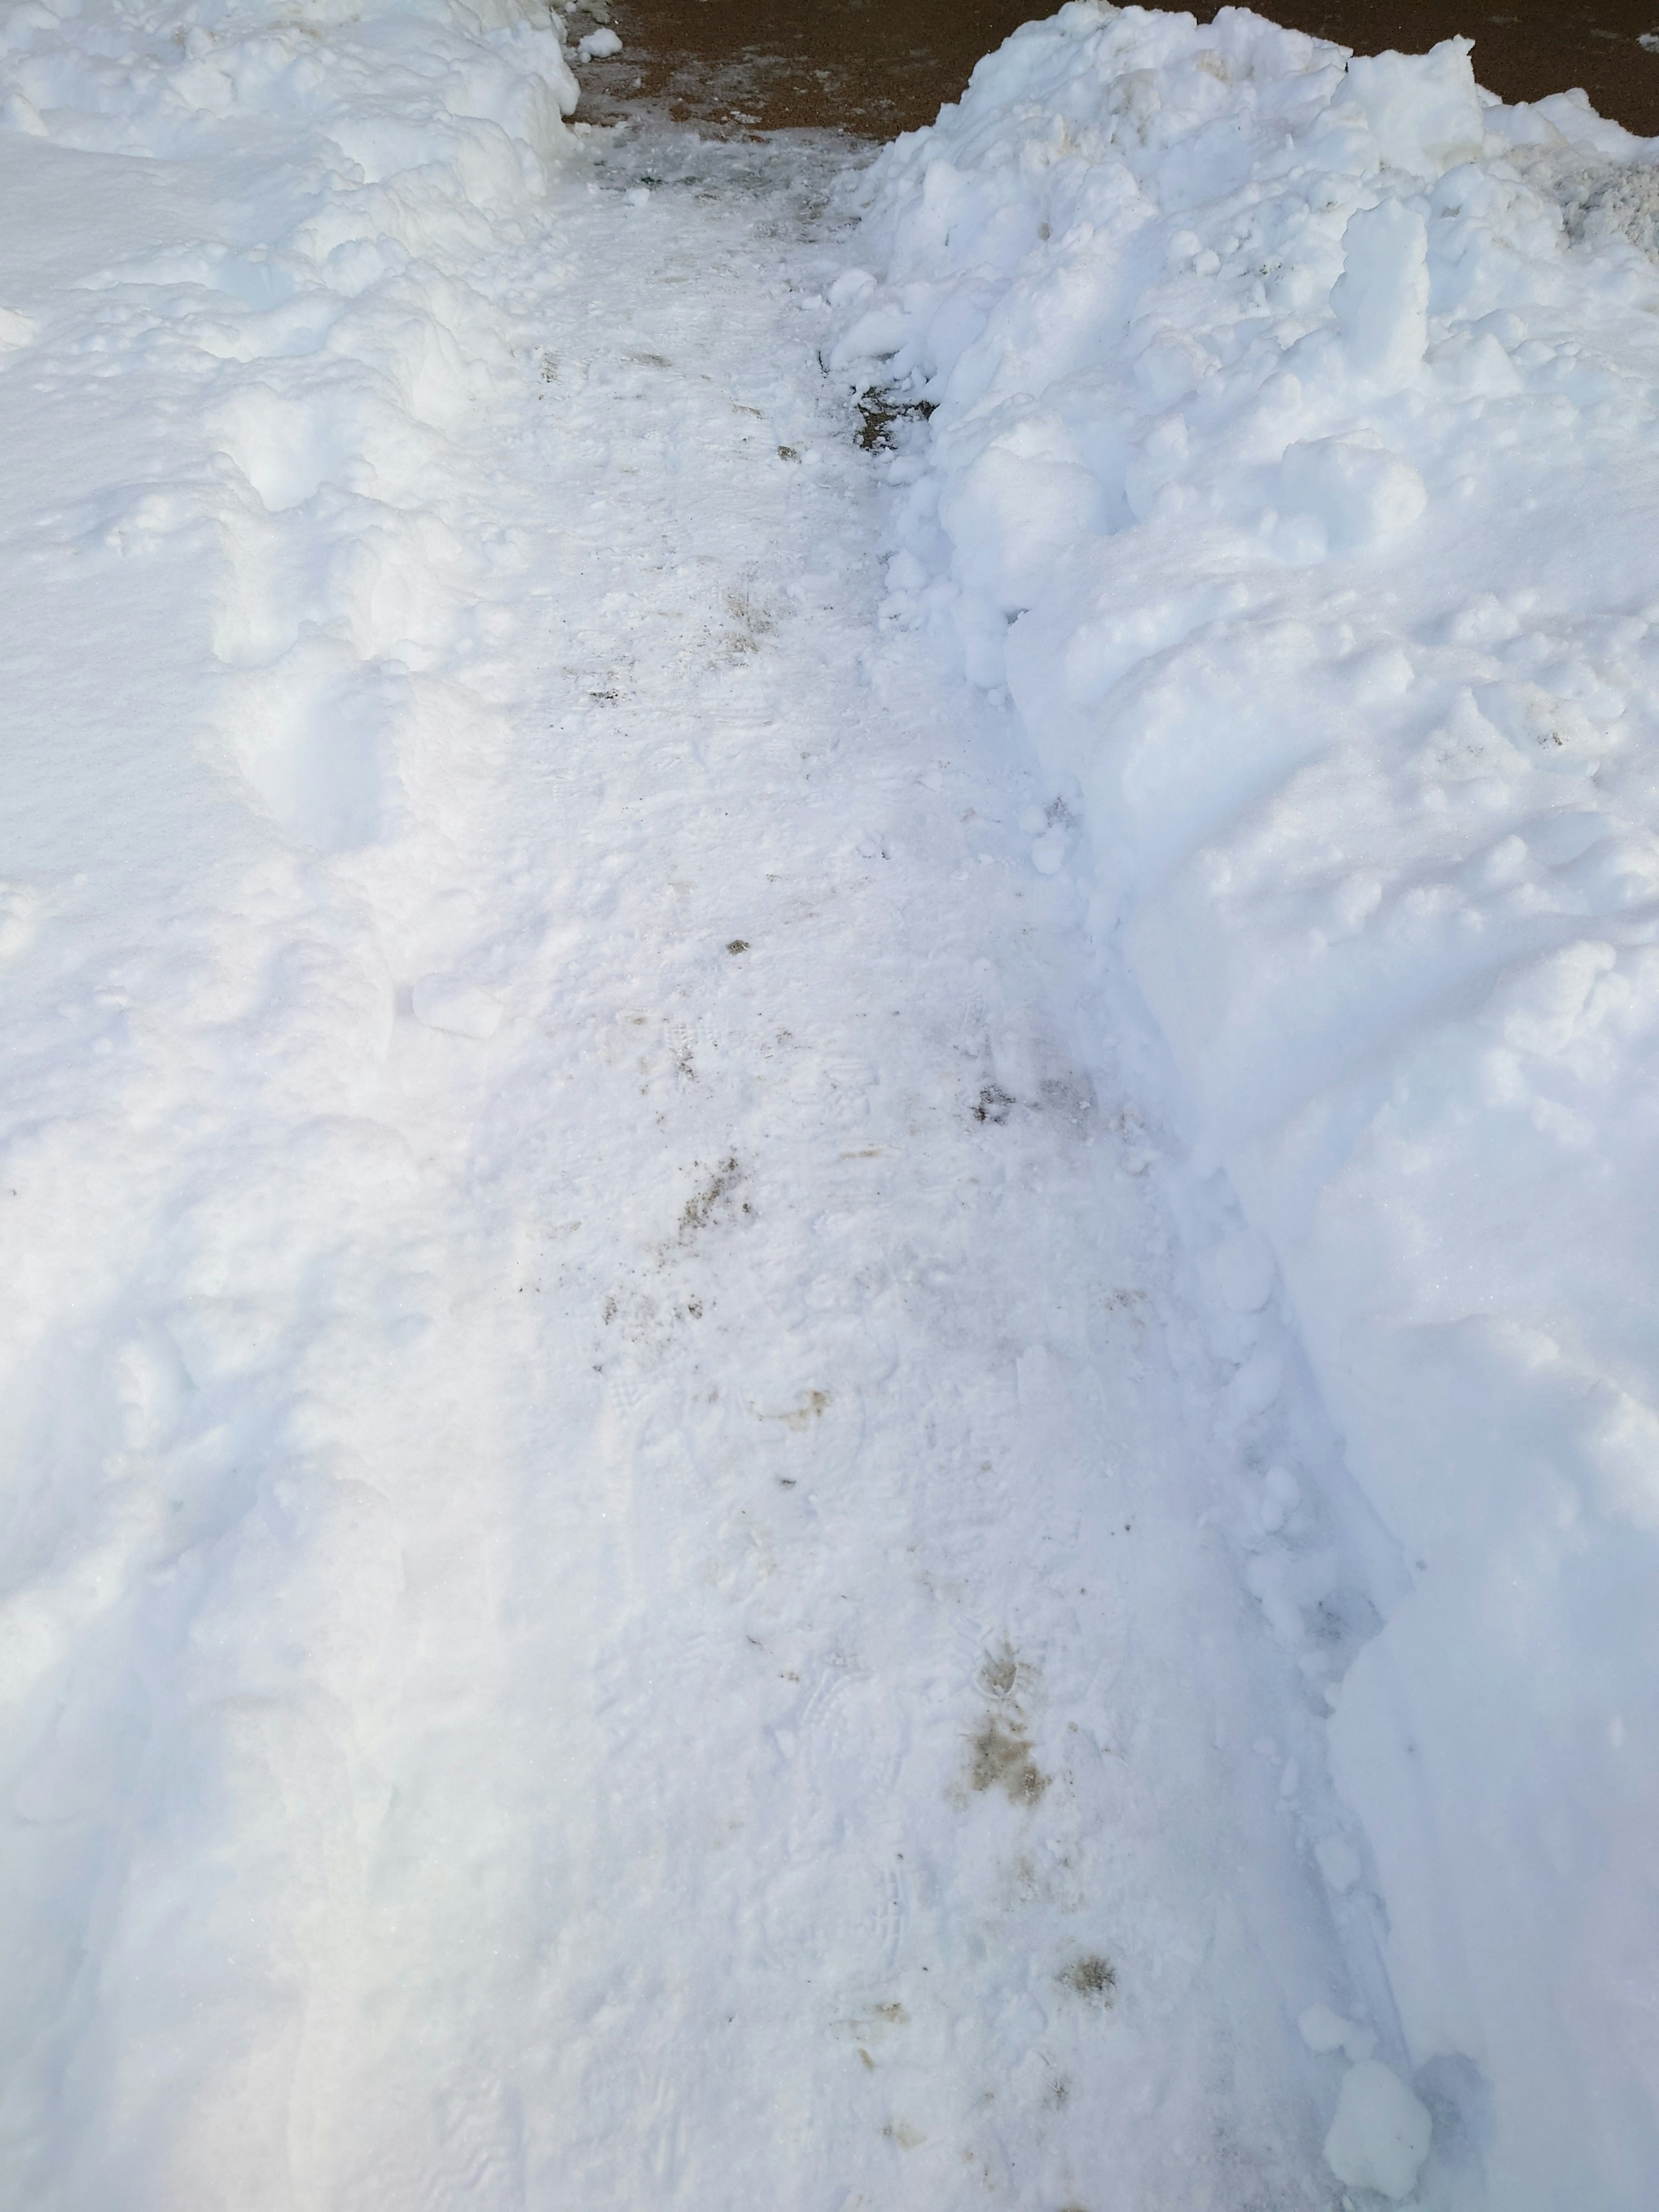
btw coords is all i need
(1290, 466)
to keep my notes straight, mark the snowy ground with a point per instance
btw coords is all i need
(666, 1541)
(607, 1601)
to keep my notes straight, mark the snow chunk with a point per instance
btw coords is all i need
(1339, 1863)
(1380, 2137)
(1423, 109)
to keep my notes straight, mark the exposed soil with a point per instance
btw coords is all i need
(876, 67)
(1094, 1977)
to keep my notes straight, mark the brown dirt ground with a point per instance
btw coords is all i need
(876, 67)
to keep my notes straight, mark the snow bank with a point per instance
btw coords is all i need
(1293, 467)
(246, 326)
(369, 90)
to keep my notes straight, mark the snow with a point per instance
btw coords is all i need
(1380, 2136)
(451, 1004)
(1325, 2030)
(609, 1585)
(680, 1277)
(1291, 472)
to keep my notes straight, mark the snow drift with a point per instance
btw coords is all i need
(1293, 468)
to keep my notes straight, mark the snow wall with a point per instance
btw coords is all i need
(1293, 467)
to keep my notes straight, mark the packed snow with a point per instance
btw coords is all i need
(712, 1086)
(1293, 472)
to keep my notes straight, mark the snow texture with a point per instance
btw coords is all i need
(670, 1532)
(1293, 467)
(1380, 2136)
(650, 1548)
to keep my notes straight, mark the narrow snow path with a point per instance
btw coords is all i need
(620, 1618)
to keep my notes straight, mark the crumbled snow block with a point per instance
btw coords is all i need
(599, 46)
(1380, 2137)
(459, 1008)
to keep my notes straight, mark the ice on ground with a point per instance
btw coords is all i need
(1290, 463)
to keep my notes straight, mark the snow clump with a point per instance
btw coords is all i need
(1380, 2136)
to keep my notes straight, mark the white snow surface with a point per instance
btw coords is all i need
(638, 1498)
(670, 1532)
(1381, 2134)
(1293, 472)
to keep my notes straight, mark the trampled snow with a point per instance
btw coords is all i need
(1293, 471)
(670, 1532)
